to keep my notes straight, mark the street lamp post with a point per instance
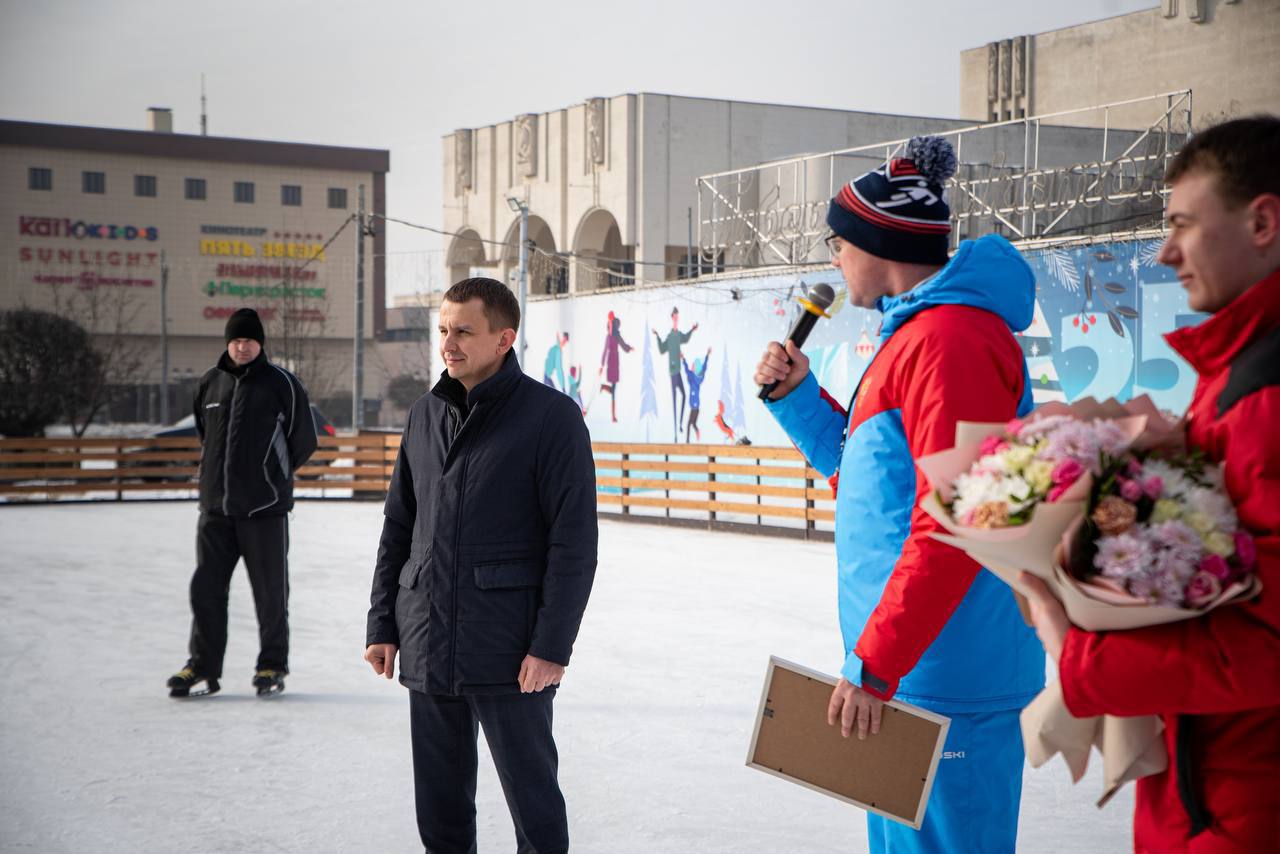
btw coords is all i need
(357, 367)
(523, 209)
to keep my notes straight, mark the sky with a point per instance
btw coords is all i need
(400, 75)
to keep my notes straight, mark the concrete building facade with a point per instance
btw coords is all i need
(97, 222)
(1226, 51)
(611, 181)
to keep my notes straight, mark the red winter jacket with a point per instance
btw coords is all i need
(1215, 680)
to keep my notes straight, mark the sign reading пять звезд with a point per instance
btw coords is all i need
(267, 249)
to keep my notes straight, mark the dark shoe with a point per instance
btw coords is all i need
(268, 682)
(181, 683)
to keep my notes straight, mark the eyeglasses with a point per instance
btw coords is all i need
(833, 244)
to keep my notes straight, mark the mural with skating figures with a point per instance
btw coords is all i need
(1101, 313)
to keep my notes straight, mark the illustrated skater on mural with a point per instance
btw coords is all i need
(723, 424)
(609, 369)
(256, 429)
(921, 621)
(553, 366)
(575, 387)
(671, 346)
(695, 375)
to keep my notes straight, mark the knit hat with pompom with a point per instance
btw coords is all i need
(897, 212)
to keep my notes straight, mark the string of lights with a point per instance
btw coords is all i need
(640, 291)
(568, 255)
(637, 290)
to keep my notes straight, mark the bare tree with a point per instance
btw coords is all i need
(108, 314)
(405, 359)
(297, 335)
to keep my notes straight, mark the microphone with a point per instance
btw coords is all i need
(820, 299)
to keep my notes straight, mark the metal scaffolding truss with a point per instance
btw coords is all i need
(1040, 178)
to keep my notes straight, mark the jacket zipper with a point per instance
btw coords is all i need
(853, 404)
(460, 425)
(226, 456)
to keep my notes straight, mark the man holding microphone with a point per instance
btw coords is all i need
(921, 621)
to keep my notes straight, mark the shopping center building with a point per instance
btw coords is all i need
(107, 226)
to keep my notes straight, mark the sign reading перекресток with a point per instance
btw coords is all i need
(225, 288)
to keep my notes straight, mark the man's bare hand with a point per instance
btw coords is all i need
(786, 366)
(382, 657)
(537, 673)
(1047, 615)
(850, 704)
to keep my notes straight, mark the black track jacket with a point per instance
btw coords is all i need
(255, 431)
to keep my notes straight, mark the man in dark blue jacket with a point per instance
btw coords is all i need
(485, 565)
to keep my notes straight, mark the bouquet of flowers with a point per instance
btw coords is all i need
(1161, 531)
(1024, 496)
(1099, 501)
(1007, 492)
(1029, 462)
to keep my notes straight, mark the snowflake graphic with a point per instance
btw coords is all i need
(1148, 252)
(1062, 269)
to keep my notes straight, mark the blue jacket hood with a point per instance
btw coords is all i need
(987, 273)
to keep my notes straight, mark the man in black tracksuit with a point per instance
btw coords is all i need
(256, 429)
(486, 562)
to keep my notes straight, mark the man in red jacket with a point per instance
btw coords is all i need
(1215, 680)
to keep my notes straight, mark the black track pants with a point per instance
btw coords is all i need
(221, 541)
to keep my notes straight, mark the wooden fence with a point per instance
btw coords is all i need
(713, 485)
(111, 468)
(728, 486)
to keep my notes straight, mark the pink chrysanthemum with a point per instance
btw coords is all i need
(1121, 556)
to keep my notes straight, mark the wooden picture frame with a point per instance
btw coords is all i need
(890, 774)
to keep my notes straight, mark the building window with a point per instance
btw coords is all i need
(244, 192)
(144, 185)
(93, 182)
(406, 334)
(290, 194)
(39, 179)
(338, 198)
(195, 189)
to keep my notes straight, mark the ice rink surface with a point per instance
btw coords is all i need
(652, 722)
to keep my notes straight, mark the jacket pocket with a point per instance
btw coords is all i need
(509, 575)
(497, 618)
(412, 569)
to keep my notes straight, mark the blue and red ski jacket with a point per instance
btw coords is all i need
(921, 621)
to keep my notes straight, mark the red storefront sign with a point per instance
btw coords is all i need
(88, 257)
